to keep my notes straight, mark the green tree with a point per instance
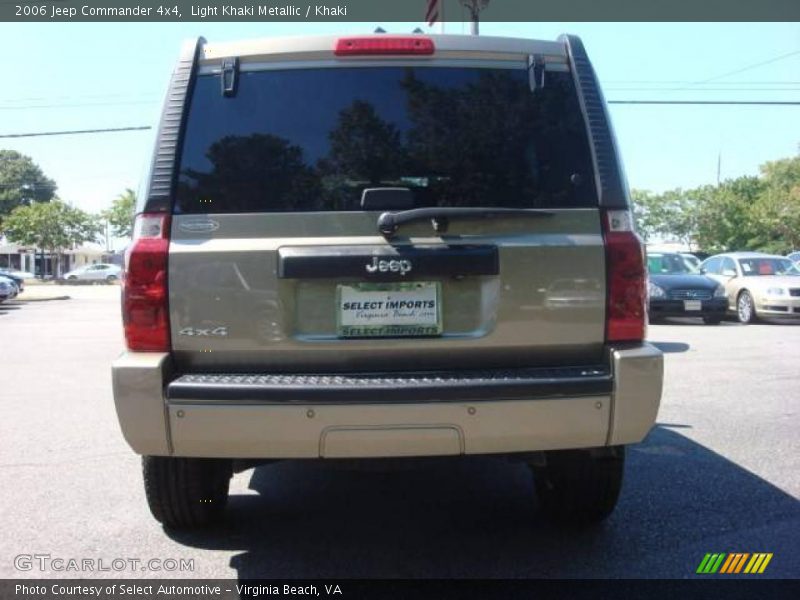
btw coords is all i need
(777, 209)
(120, 215)
(468, 165)
(251, 172)
(746, 213)
(782, 174)
(681, 216)
(646, 213)
(726, 221)
(365, 147)
(53, 226)
(21, 182)
(671, 214)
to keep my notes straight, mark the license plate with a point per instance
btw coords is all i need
(389, 309)
(692, 305)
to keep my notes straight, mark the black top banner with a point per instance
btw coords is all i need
(382, 11)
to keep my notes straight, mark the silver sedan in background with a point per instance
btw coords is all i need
(100, 272)
(757, 284)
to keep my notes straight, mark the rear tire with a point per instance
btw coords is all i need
(746, 308)
(186, 493)
(580, 487)
(111, 279)
(712, 320)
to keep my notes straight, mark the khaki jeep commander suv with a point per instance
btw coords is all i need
(384, 246)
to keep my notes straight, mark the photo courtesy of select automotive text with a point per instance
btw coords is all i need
(372, 299)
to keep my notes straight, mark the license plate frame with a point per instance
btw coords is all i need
(374, 322)
(692, 305)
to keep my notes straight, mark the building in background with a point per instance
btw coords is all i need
(41, 263)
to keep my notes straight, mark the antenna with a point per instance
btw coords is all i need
(474, 7)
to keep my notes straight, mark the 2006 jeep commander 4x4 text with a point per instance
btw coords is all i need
(384, 246)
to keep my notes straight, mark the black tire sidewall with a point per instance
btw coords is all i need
(186, 493)
(577, 487)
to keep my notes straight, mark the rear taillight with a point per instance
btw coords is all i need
(383, 45)
(144, 292)
(626, 313)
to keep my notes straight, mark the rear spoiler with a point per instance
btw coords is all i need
(610, 181)
(157, 196)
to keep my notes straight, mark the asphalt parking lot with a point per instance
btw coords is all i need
(719, 473)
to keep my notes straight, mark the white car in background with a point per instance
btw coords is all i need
(16, 274)
(100, 272)
(757, 284)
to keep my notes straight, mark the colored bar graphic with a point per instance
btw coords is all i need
(702, 567)
(751, 564)
(728, 563)
(740, 564)
(764, 564)
(717, 564)
(711, 563)
(734, 562)
(759, 562)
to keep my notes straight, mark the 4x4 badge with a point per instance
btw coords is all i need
(196, 331)
(388, 266)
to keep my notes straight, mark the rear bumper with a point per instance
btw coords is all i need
(383, 388)
(261, 416)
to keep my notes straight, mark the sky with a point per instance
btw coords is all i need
(66, 76)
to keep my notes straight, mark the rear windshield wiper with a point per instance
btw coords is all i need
(390, 222)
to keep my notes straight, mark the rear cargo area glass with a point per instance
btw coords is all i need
(314, 139)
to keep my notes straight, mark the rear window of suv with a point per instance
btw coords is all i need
(313, 139)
